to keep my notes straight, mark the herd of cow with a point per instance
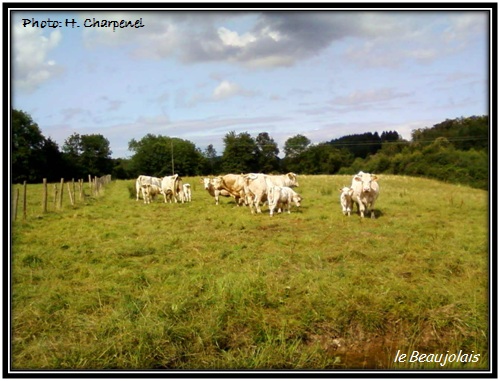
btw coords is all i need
(253, 189)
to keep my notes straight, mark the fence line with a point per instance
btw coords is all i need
(96, 186)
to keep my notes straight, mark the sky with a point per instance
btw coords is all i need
(197, 75)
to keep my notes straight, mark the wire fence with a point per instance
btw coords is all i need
(51, 197)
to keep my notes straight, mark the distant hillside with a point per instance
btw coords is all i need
(455, 151)
(362, 145)
(462, 133)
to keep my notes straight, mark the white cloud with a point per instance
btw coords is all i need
(30, 65)
(225, 90)
(233, 38)
(358, 98)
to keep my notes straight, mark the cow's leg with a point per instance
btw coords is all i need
(372, 210)
(257, 202)
(361, 209)
(254, 204)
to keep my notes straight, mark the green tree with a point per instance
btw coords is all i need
(122, 169)
(96, 155)
(52, 162)
(211, 163)
(294, 146)
(88, 155)
(463, 133)
(321, 159)
(33, 156)
(268, 153)
(241, 154)
(360, 145)
(157, 155)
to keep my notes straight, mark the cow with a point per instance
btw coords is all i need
(282, 198)
(187, 192)
(208, 184)
(232, 184)
(257, 184)
(365, 192)
(144, 180)
(171, 187)
(346, 200)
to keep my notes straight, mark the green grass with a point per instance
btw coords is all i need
(112, 283)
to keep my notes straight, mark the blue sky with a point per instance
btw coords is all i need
(199, 75)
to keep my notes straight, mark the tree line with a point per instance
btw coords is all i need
(454, 150)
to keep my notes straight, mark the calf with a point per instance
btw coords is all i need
(257, 185)
(346, 200)
(149, 192)
(187, 192)
(282, 198)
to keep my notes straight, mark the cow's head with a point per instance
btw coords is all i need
(366, 179)
(206, 183)
(217, 182)
(292, 180)
(346, 191)
(146, 189)
(297, 198)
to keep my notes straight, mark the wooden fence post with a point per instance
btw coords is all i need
(44, 200)
(55, 196)
(16, 201)
(70, 195)
(24, 200)
(73, 189)
(90, 184)
(80, 184)
(61, 193)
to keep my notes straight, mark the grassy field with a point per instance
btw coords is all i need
(116, 284)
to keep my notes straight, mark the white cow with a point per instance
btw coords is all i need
(145, 180)
(346, 200)
(257, 184)
(208, 184)
(171, 187)
(282, 198)
(365, 192)
(187, 192)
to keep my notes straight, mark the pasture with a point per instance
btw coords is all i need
(117, 284)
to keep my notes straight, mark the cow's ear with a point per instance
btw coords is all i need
(374, 178)
(357, 178)
(340, 190)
